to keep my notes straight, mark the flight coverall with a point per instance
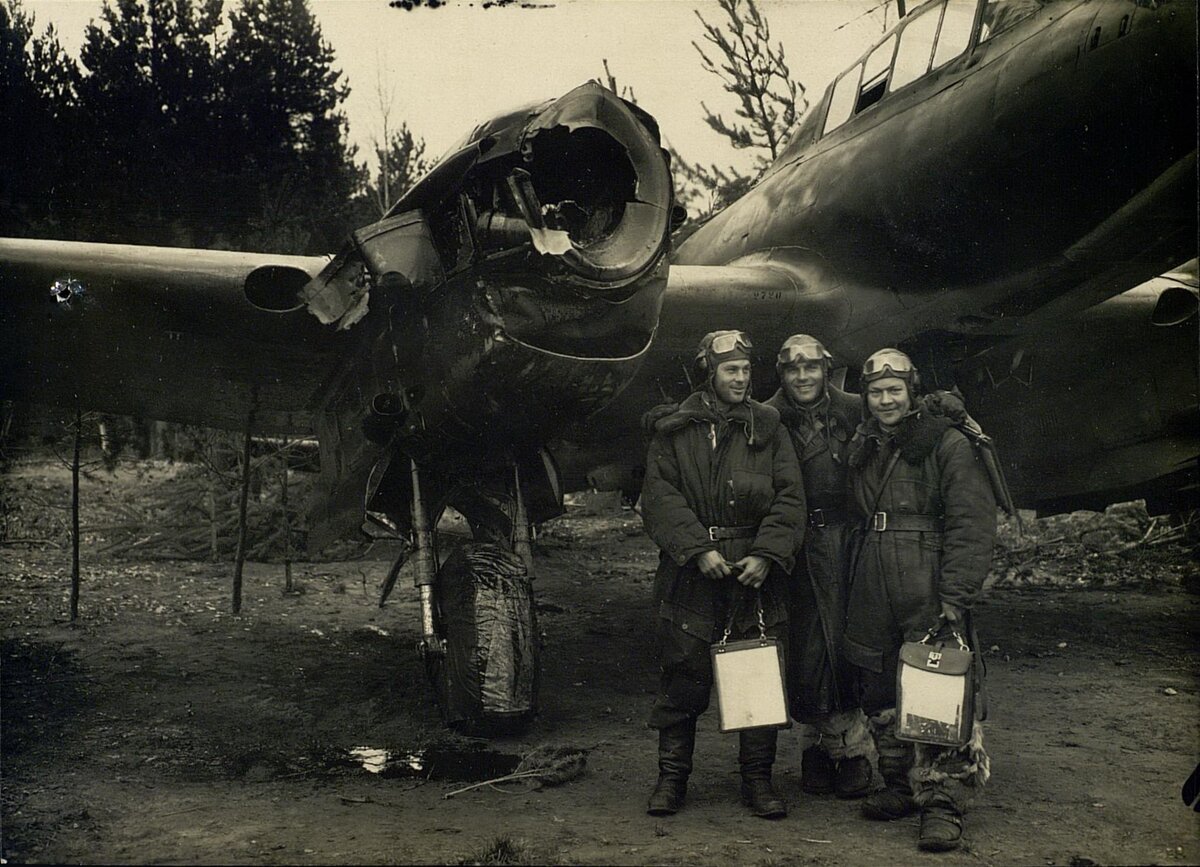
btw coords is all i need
(937, 546)
(724, 480)
(819, 685)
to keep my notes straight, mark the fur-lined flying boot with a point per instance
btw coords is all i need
(756, 755)
(941, 825)
(852, 746)
(675, 745)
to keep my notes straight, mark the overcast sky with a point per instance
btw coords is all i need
(448, 68)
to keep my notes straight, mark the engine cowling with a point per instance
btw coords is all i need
(555, 211)
(513, 291)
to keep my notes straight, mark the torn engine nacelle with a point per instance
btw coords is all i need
(513, 290)
(593, 191)
(569, 200)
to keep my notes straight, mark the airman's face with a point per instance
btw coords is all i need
(731, 381)
(804, 381)
(888, 400)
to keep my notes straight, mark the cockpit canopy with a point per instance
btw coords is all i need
(928, 38)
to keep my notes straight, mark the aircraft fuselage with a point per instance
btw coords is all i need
(1016, 173)
(1036, 173)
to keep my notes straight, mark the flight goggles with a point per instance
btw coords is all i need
(727, 341)
(803, 350)
(888, 362)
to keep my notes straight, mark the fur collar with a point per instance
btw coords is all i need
(761, 422)
(916, 438)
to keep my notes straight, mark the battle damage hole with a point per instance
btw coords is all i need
(583, 178)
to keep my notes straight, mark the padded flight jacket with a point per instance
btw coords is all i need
(821, 438)
(902, 576)
(706, 469)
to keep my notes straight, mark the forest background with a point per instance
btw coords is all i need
(226, 124)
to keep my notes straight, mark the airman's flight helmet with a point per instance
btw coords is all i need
(803, 347)
(891, 362)
(719, 346)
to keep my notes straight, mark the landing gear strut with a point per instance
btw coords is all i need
(479, 635)
(424, 567)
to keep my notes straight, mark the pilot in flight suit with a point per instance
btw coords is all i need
(724, 501)
(926, 507)
(821, 419)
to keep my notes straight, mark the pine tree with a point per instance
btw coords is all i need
(282, 127)
(195, 138)
(756, 73)
(37, 94)
(400, 158)
(770, 103)
(146, 100)
(398, 166)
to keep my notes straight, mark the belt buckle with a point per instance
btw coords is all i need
(817, 518)
(712, 534)
(879, 522)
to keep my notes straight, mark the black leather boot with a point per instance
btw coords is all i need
(675, 745)
(895, 801)
(817, 771)
(853, 778)
(756, 754)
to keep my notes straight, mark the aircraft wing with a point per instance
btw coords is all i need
(516, 289)
(1101, 406)
(1024, 391)
(193, 336)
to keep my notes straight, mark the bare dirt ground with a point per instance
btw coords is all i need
(162, 729)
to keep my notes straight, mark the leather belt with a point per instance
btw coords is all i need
(891, 521)
(825, 517)
(717, 533)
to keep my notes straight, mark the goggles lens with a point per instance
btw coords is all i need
(729, 341)
(797, 353)
(891, 362)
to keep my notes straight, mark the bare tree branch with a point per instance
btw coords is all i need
(769, 103)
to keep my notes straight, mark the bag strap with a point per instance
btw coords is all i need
(985, 447)
(739, 597)
(937, 627)
(887, 474)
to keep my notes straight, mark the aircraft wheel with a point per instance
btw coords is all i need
(487, 679)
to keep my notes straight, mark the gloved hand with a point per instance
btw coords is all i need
(953, 615)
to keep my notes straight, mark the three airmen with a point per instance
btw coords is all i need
(782, 501)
